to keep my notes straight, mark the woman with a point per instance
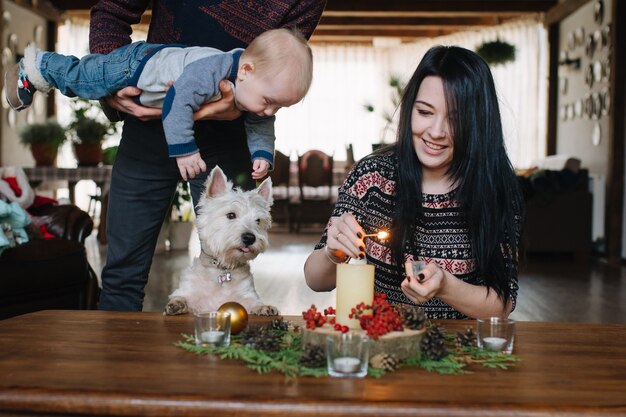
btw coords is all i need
(446, 192)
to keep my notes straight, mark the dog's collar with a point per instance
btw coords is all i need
(226, 275)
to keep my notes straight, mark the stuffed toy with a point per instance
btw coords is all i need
(13, 222)
(14, 186)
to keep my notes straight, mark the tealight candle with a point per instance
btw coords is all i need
(494, 343)
(346, 364)
(355, 284)
(212, 336)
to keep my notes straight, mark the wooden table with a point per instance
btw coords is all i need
(122, 364)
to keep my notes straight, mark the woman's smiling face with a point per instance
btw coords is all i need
(432, 138)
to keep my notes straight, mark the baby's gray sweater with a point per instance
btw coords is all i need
(197, 72)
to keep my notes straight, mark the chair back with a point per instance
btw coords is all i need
(315, 169)
(280, 174)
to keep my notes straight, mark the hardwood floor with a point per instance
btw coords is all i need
(552, 288)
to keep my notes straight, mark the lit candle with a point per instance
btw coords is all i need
(346, 364)
(212, 336)
(355, 284)
(494, 343)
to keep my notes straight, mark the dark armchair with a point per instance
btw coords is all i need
(50, 273)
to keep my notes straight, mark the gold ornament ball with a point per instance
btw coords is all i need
(238, 316)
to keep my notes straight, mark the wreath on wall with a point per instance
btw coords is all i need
(496, 52)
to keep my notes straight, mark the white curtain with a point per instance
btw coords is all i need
(346, 77)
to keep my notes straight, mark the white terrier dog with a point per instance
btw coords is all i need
(232, 226)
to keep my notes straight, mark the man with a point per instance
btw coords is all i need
(144, 177)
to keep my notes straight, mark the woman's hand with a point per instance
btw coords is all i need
(223, 109)
(123, 101)
(429, 282)
(345, 238)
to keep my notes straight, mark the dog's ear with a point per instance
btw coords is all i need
(265, 190)
(216, 184)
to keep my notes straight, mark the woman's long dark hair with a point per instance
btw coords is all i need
(487, 186)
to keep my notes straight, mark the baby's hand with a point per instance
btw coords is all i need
(190, 165)
(259, 168)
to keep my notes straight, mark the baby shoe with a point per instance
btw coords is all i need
(18, 89)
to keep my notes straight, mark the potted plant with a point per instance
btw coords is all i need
(396, 86)
(178, 224)
(496, 52)
(180, 218)
(44, 140)
(89, 132)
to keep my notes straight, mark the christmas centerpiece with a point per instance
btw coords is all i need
(400, 336)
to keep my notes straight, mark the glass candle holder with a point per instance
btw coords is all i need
(496, 334)
(347, 355)
(212, 328)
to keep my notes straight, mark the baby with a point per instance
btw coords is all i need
(274, 71)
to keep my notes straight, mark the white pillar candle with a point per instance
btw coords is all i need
(355, 284)
(346, 364)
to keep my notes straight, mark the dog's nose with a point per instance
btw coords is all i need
(248, 239)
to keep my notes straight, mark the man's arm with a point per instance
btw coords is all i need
(305, 16)
(110, 28)
(110, 23)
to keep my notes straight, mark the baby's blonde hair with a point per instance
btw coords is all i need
(278, 50)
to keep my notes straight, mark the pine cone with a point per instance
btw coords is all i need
(466, 339)
(413, 317)
(280, 324)
(385, 361)
(433, 344)
(260, 337)
(313, 356)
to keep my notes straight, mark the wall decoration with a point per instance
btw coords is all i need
(12, 42)
(596, 134)
(6, 16)
(590, 46)
(597, 71)
(578, 108)
(589, 75)
(563, 113)
(598, 11)
(606, 101)
(606, 68)
(563, 85)
(8, 57)
(597, 105)
(579, 36)
(606, 36)
(588, 106)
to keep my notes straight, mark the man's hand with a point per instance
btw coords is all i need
(123, 101)
(223, 109)
(259, 168)
(190, 165)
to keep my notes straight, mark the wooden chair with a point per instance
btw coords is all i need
(281, 209)
(315, 183)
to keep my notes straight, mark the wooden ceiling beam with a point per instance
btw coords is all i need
(396, 7)
(416, 32)
(439, 21)
(440, 7)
